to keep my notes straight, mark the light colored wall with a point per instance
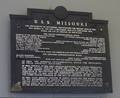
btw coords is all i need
(101, 9)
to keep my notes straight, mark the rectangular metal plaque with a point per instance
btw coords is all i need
(59, 51)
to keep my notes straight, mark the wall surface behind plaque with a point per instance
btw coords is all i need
(101, 10)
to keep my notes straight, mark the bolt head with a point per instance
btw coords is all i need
(18, 25)
(101, 29)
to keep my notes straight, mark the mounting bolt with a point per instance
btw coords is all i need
(101, 29)
(19, 25)
(106, 84)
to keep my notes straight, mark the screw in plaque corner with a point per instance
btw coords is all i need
(19, 25)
